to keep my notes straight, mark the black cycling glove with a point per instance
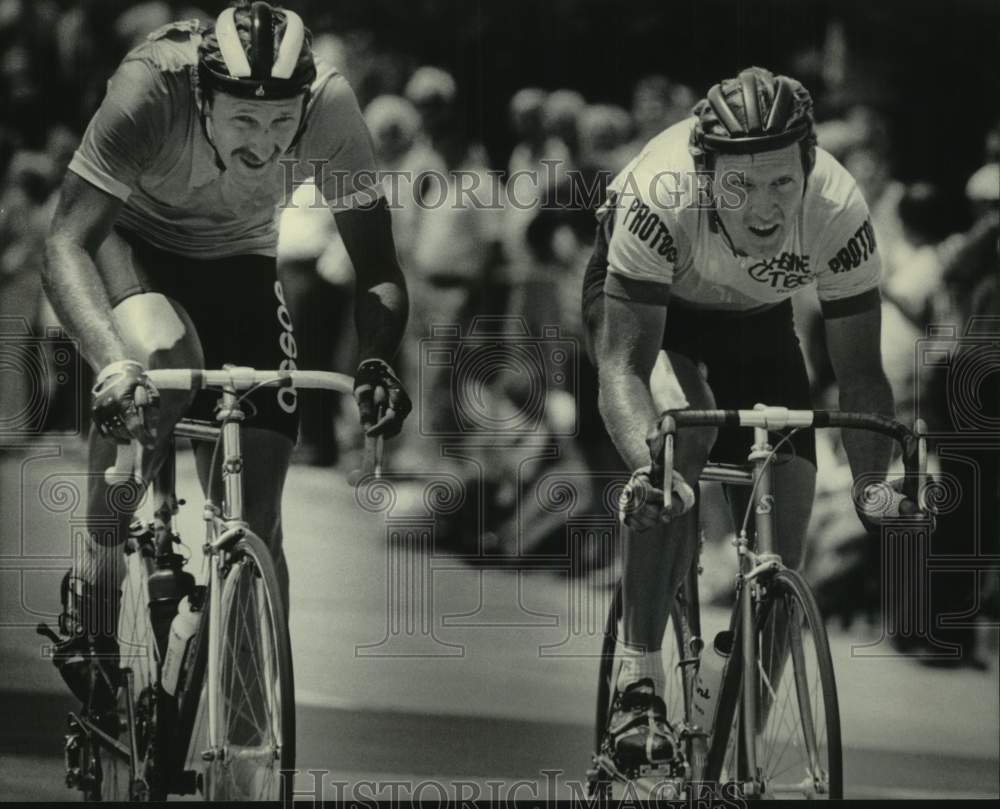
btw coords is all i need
(381, 398)
(123, 403)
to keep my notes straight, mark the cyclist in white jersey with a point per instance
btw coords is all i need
(703, 240)
(162, 254)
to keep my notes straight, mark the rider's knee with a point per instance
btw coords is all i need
(677, 383)
(160, 334)
(155, 330)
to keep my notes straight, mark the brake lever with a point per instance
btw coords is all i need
(661, 454)
(371, 459)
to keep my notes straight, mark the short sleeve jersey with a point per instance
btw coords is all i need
(147, 145)
(663, 245)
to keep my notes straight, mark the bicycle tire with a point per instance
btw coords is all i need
(680, 679)
(138, 654)
(255, 746)
(799, 716)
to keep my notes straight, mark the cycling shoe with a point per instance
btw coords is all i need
(638, 731)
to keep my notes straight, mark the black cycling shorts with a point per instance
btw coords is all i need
(750, 358)
(238, 309)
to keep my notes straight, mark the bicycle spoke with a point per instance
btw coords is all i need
(795, 754)
(786, 726)
(235, 661)
(255, 686)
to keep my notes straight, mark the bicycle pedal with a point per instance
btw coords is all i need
(605, 766)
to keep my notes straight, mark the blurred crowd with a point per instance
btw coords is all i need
(495, 356)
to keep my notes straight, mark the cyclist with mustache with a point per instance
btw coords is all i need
(162, 254)
(702, 241)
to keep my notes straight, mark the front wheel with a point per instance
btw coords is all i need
(797, 743)
(254, 692)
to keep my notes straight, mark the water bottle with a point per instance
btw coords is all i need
(167, 585)
(182, 629)
(708, 682)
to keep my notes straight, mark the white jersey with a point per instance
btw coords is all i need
(663, 244)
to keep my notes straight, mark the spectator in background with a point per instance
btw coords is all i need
(966, 395)
(526, 178)
(651, 107)
(455, 244)
(25, 211)
(134, 23)
(411, 168)
(911, 289)
(406, 158)
(60, 145)
(869, 165)
(21, 94)
(27, 202)
(433, 93)
(561, 121)
(657, 103)
(526, 123)
(603, 130)
(859, 126)
(559, 238)
(971, 269)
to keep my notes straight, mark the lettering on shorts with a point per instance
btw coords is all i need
(857, 250)
(648, 226)
(288, 397)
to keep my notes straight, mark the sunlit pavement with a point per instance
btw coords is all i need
(416, 668)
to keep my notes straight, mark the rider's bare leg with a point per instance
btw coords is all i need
(657, 560)
(158, 334)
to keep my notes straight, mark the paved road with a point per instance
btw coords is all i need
(480, 680)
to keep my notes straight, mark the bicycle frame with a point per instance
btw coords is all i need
(222, 531)
(224, 528)
(757, 560)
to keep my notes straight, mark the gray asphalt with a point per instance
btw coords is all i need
(492, 684)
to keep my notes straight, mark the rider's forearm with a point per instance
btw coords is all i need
(628, 411)
(380, 313)
(868, 452)
(80, 301)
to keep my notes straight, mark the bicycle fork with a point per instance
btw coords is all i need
(217, 548)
